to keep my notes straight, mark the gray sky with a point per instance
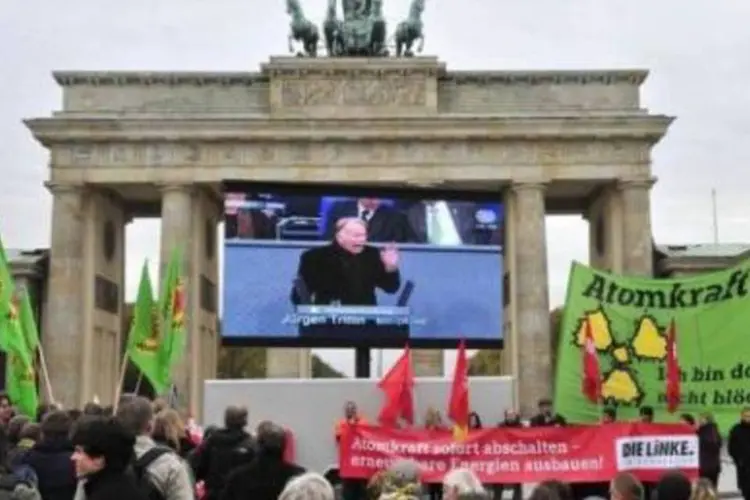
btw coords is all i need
(696, 51)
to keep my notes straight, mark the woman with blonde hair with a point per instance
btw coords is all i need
(703, 489)
(159, 405)
(169, 430)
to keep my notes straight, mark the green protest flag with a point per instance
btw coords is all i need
(21, 385)
(28, 321)
(629, 317)
(6, 292)
(23, 379)
(172, 310)
(12, 340)
(145, 338)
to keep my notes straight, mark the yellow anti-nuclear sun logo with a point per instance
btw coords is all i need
(23, 372)
(620, 385)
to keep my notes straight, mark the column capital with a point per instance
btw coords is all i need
(172, 187)
(63, 188)
(214, 198)
(518, 187)
(636, 183)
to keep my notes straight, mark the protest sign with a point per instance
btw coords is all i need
(526, 455)
(629, 318)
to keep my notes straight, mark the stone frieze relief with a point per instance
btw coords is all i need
(407, 152)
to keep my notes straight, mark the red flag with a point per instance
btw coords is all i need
(458, 406)
(397, 386)
(592, 378)
(672, 392)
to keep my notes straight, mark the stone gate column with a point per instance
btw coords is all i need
(533, 340)
(510, 353)
(637, 237)
(604, 216)
(64, 331)
(288, 363)
(190, 215)
(177, 210)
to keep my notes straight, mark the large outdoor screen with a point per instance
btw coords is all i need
(335, 266)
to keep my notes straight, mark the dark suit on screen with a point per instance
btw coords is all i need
(463, 216)
(249, 224)
(385, 225)
(331, 274)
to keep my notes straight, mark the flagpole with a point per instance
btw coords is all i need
(45, 375)
(120, 383)
(138, 383)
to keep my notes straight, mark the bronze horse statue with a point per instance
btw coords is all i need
(410, 30)
(302, 30)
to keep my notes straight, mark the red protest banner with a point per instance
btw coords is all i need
(526, 455)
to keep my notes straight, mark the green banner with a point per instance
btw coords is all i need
(629, 318)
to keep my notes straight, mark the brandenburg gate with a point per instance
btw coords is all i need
(150, 144)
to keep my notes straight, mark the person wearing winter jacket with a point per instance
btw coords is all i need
(709, 448)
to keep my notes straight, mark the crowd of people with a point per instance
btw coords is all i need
(140, 450)
(401, 482)
(143, 450)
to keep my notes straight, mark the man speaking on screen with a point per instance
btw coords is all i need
(348, 270)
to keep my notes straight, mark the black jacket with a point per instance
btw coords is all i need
(54, 469)
(331, 274)
(264, 479)
(386, 224)
(219, 455)
(739, 445)
(511, 424)
(112, 485)
(709, 448)
(544, 421)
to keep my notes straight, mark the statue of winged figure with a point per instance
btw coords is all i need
(410, 30)
(302, 30)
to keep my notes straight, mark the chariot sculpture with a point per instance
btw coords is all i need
(361, 32)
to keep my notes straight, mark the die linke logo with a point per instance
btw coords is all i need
(657, 452)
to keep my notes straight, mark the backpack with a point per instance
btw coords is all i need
(143, 479)
(14, 488)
